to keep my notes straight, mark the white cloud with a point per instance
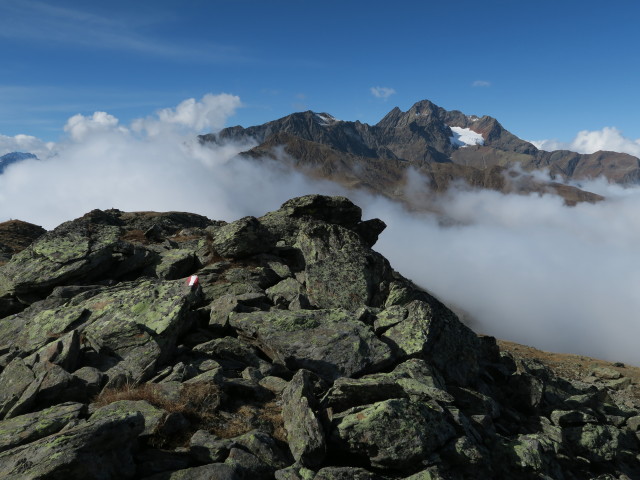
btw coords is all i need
(209, 113)
(159, 165)
(481, 83)
(382, 92)
(528, 268)
(25, 144)
(79, 126)
(609, 139)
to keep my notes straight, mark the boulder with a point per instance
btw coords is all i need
(341, 270)
(153, 417)
(305, 434)
(242, 238)
(413, 379)
(206, 447)
(432, 332)
(346, 473)
(92, 450)
(394, 434)
(330, 343)
(30, 427)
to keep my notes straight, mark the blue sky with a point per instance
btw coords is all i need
(545, 69)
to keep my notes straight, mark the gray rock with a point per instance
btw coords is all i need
(33, 426)
(265, 448)
(14, 382)
(305, 434)
(434, 333)
(151, 461)
(94, 451)
(224, 305)
(600, 443)
(295, 472)
(413, 379)
(565, 418)
(230, 350)
(176, 263)
(328, 342)
(273, 384)
(350, 392)
(393, 434)
(63, 352)
(248, 465)
(338, 210)
(208, 448)
(346, 473)
(341, 271)
(153, 416)
(242, 238)
(217, 471)
(606, 373)
(285, 291)
(138, 323)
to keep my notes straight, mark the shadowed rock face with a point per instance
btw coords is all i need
(300, 354)
(378, 158)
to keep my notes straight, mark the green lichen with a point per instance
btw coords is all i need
(294, 324)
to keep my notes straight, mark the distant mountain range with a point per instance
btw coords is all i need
(444, 146)
(13, 157)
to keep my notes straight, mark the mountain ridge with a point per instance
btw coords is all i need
(421, 138)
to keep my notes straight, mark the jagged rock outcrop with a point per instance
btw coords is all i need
(300, 354)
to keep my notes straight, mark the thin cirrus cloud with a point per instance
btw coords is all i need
(382, 92)
(590, 141)
(481, 83)
(41, 22)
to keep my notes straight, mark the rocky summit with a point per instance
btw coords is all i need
(297, 353)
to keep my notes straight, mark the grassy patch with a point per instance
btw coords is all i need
(201, 403)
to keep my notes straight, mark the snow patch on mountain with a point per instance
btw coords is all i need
(463, 137)
(325, 119)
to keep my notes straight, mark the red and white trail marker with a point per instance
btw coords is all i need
(193, 281)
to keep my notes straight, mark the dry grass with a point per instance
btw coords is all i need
(266, 417)
(185, 238)
(195, 399)
(136, 236)
(201, 404)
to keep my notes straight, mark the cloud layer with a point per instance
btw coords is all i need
(586, 141)
(153, 164)
(529, 269)
(523, 268)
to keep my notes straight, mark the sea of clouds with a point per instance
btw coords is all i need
(523, 268)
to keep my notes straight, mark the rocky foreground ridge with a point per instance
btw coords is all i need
(301, 354)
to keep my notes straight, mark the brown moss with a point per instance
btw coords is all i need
(135, 236)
